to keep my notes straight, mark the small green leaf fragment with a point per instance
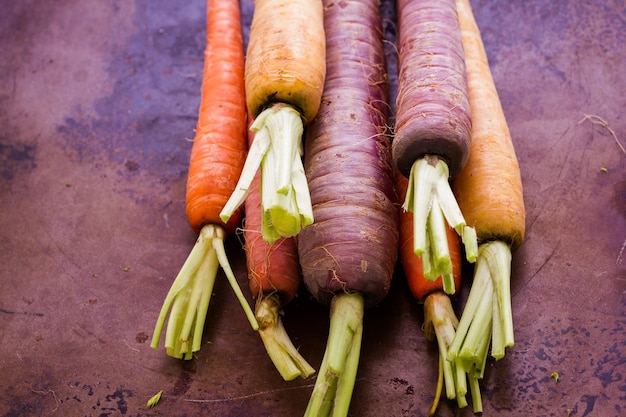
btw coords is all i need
(155, 399)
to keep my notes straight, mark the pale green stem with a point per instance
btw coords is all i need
(481, 278)
(188, 299)
(277, 150)
(441, 321)
(498, 256)
(487, 315)
(333, 389)
(429, 192)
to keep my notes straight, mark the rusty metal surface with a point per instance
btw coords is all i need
(97, 102)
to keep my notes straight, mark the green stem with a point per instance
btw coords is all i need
(187, 301)
(277, 150)
(333, 388)
(487, 315)
(288, 361)
(498, 256)
(429, 197)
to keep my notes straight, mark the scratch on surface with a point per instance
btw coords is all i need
(620, 255)
(541, 266)
(597, 120)
(243, 397)
(130, 347)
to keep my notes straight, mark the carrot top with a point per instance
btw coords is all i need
(277, 150)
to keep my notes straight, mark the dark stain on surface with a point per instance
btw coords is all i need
(185, 379)
(16, 157)
(119, 396)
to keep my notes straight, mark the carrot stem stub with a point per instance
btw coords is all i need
(288, 361)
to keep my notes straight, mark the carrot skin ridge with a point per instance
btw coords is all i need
(489, 191)
(217, 157)
(349, 253)
(285, 70)
(274, 278)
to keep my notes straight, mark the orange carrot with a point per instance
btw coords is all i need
(274, 276)
(284, 74)
(216, 161)
(489, 192)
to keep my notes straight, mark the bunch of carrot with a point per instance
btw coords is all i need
(321, 65)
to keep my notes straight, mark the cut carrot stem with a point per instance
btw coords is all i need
(430, 198)
(279, 346)
(277, 151)
(190, 293)
(335, 382)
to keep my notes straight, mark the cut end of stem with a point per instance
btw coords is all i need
(288, 361)
(335, 382)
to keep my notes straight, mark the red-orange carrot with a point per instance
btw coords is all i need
(489, 192)
(284, 74)
(440, 320)
(217, 158)
(274, 276)
(432, 128)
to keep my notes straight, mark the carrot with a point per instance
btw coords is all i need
(217, 157)
(348, 255)
(284, 75)
(489, 191)
(440, 320)
(432, 128)
(274, 276)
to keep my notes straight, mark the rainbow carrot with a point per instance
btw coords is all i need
(217, 158)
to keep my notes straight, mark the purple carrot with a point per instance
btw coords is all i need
(349, 253)
(432, 128)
